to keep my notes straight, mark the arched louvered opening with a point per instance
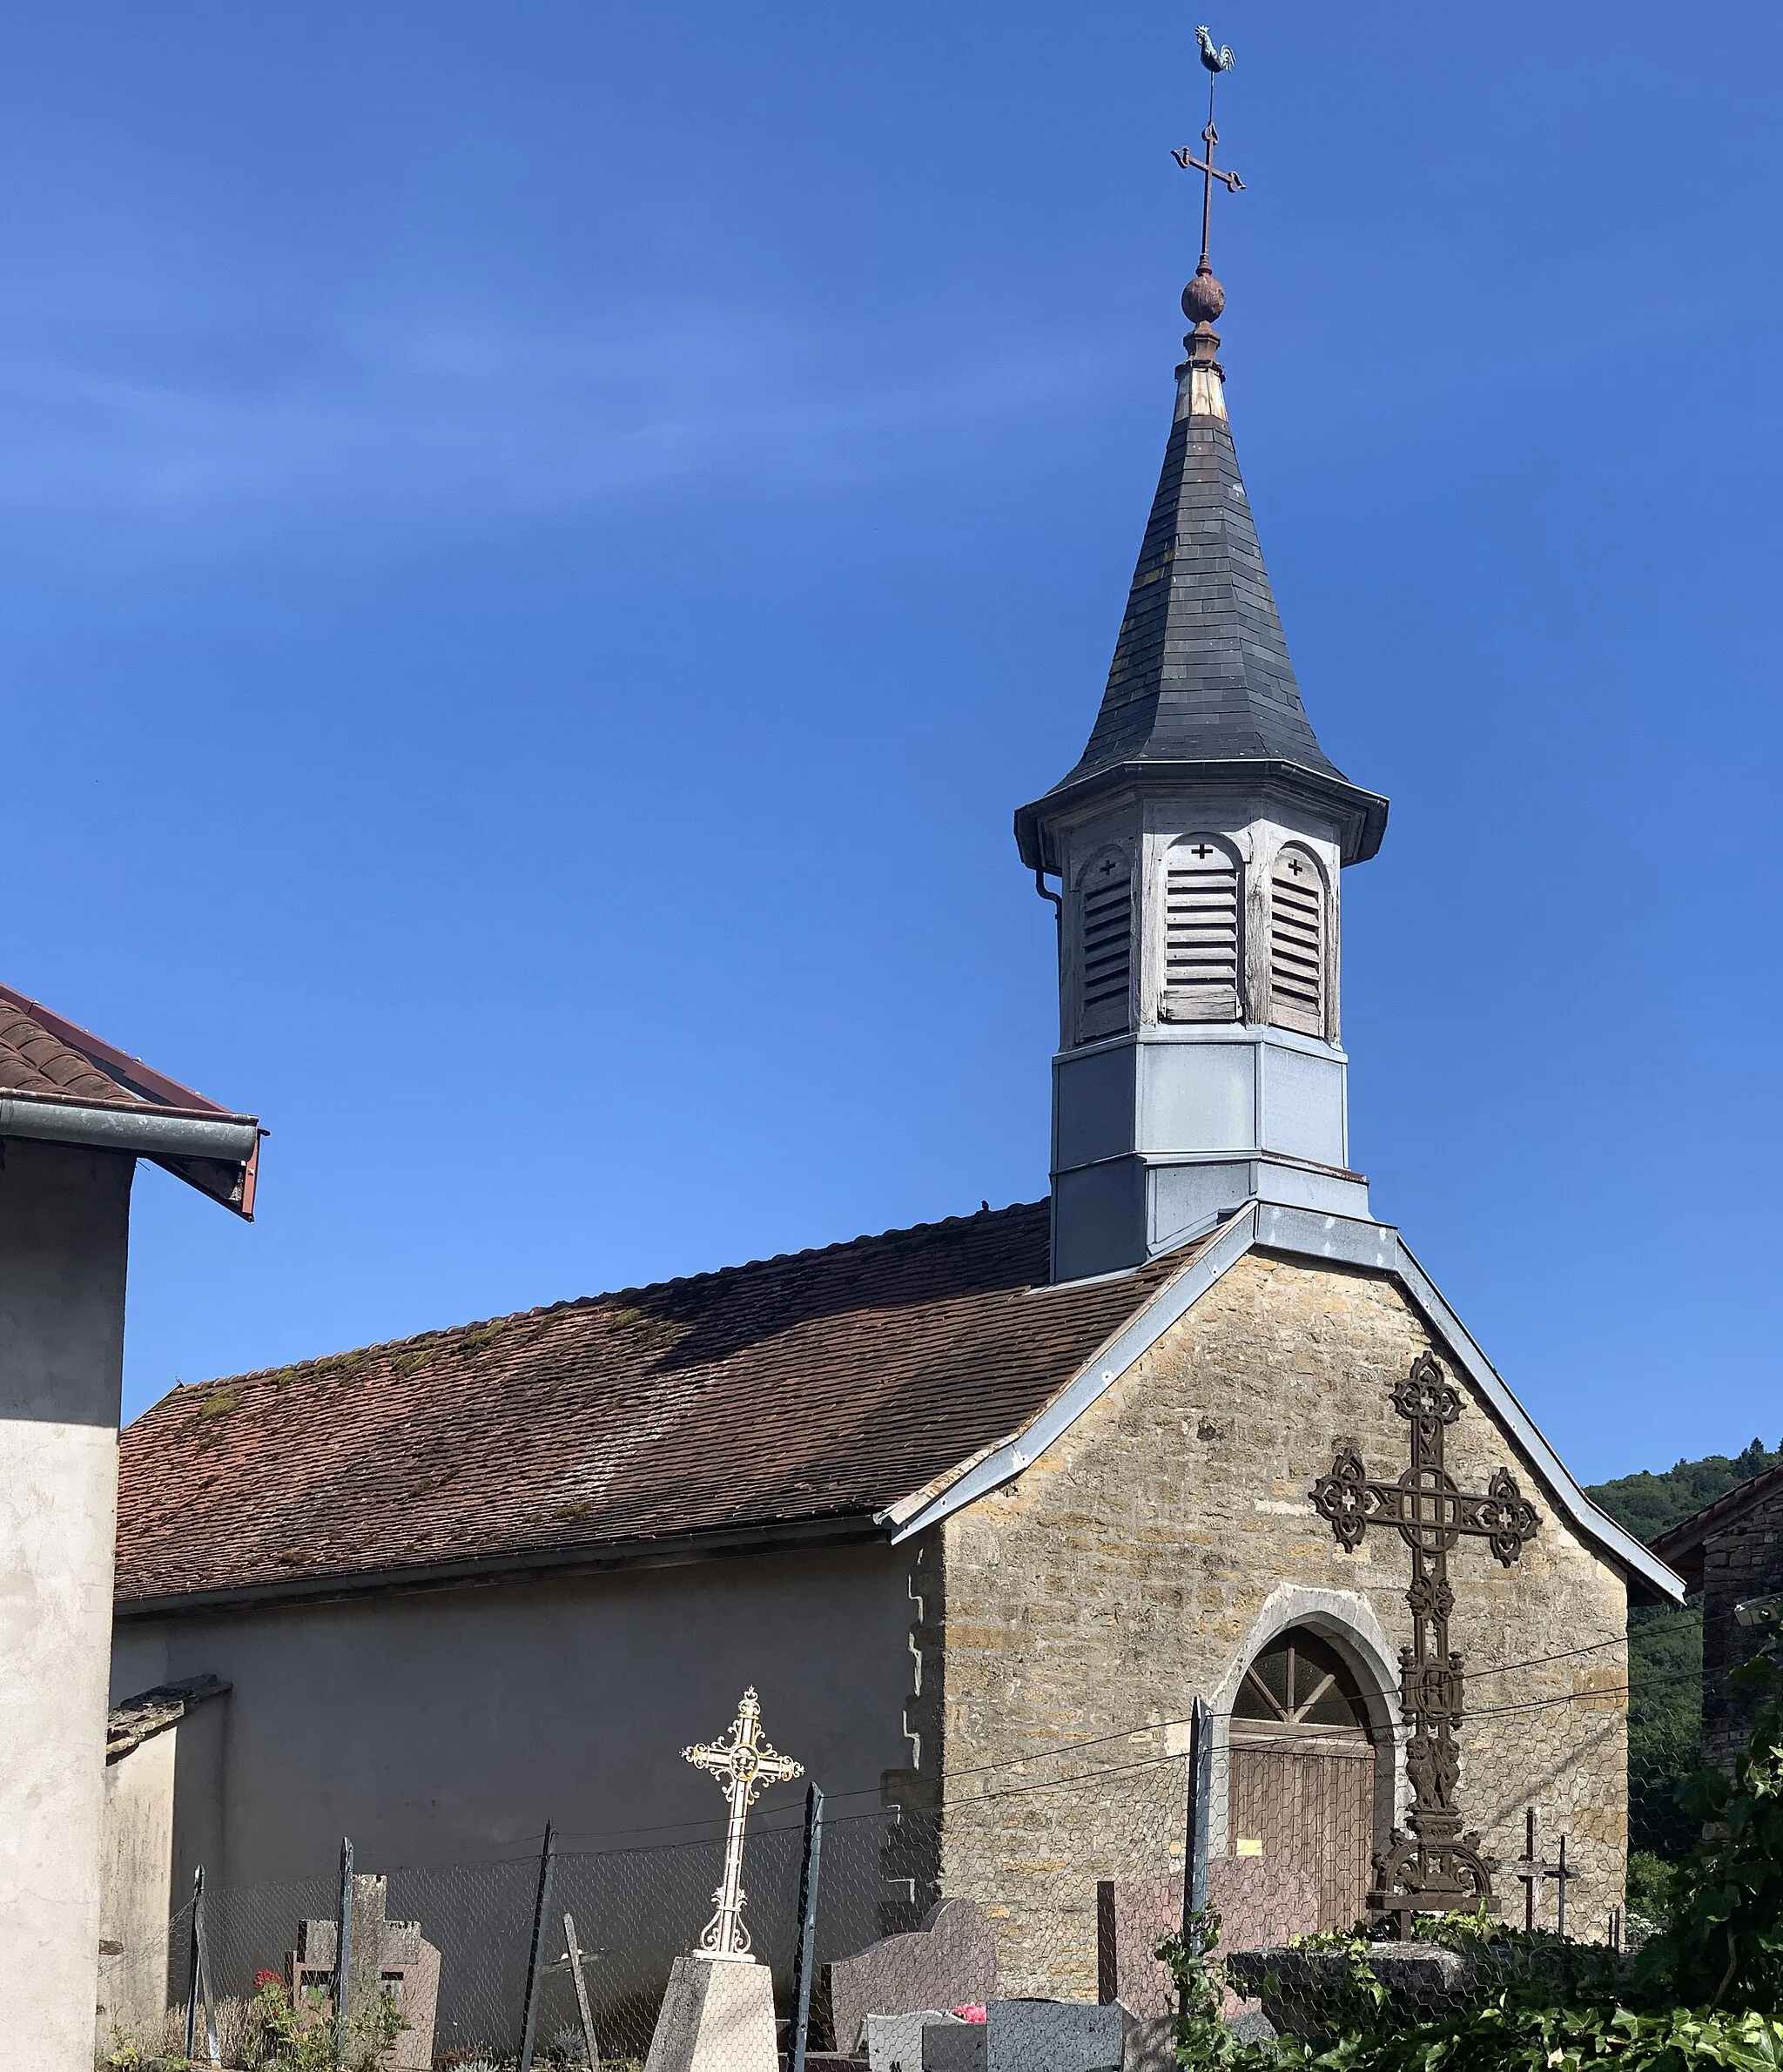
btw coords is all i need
(1298, 944)
(1200, 933)
(1104, 906)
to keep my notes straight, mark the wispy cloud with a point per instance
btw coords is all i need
(427, 411)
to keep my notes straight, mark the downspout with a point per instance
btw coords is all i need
(1057, 899)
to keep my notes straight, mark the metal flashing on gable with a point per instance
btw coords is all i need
(1301, 1234)
(1022, 1449)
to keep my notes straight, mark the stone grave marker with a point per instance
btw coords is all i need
(387, 1961)
(1262, 1901)
(895, 2041)
(949, 1962)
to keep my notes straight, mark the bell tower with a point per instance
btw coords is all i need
(1198, 844)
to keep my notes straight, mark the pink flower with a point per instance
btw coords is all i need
(972, 2011)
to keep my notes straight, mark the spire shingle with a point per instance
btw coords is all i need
(1200, 684)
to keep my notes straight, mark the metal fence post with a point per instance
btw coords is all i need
(807, 1928)
(1194, 1838)
(191, 1991)
(542, 1906)
(343, 1951)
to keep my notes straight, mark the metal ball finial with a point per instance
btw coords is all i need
(1204, 297)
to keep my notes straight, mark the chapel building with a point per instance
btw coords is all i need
(980, 1508)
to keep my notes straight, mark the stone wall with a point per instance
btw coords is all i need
(1743, 1560)
(1147, 1557)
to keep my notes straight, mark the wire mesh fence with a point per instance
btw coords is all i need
(1072, 1863)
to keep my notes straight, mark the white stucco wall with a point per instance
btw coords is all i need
(135, 1883)
(63, 1233)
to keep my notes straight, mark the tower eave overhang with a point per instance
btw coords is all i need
(1361, 814)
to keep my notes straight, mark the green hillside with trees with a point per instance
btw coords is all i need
(1650, 1504)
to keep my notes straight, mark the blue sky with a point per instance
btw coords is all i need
(540, 546)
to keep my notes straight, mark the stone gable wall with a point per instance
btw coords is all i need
(1743, 1560)
(1133, 1565)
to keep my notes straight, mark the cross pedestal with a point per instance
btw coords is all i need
(717, 2017)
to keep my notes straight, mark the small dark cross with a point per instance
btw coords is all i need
(1531, 1871)
(1202, 850)
(573, 1961)
(1295, 866)
(1109, 866)
(1436, 1868)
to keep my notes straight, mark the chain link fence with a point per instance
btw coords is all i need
(1073, 1859)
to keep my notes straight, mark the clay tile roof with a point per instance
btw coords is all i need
(821, 1387)
(34, 1061)
(52, 1072)
(1684, 1544)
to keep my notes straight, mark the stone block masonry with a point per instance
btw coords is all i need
(1151, 1552)
(1744, 1560)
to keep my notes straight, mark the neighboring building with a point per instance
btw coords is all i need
(1731, 1553)
(149, 1738)
(956, 1497)
(74, 1117)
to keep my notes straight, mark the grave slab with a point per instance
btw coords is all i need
(895, 2041)
(1052, 2035)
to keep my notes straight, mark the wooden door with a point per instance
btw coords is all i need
(1302, 1772)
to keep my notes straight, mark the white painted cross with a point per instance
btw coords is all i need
(742, 1768)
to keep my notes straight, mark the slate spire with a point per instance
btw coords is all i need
(1200, 684)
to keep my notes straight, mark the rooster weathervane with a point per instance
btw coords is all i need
(1216, 59)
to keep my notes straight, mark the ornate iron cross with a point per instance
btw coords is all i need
(743, 1767)
(1436, 1868)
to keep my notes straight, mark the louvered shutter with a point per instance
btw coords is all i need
(1298, 944)
(1108, 948)
(1201, 933)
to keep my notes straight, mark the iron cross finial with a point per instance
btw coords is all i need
(1204, 298)
(1217, 59)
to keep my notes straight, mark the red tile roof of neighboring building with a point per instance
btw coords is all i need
(825, 1386)
(52, 1072)
(34, 1061)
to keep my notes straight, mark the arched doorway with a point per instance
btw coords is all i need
(1303, 1756)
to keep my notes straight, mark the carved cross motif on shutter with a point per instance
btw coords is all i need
(1107, 948)
(1297, 945)
(1201, 933)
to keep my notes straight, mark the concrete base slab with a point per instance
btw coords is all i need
(717, 2017)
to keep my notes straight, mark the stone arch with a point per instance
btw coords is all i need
(1350, 1623)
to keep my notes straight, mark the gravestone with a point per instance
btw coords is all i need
(895, 2041)
(950, 1962)
(387, 1961)
(1262, 1901)
(1029, 2036)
